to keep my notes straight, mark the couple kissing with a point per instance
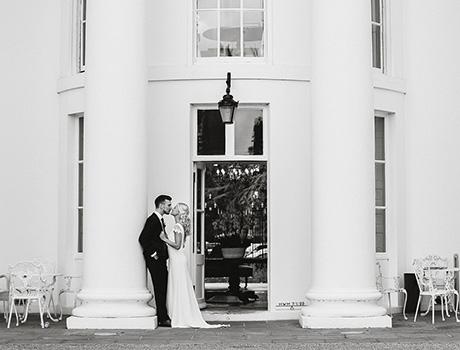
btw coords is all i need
(166, 261)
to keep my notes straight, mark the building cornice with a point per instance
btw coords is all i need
(239, 72)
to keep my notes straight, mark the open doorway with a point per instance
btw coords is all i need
(231, 234)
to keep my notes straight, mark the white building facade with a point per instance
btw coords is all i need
(360, 136)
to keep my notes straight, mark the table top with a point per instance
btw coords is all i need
(438, 268)
(246, 260)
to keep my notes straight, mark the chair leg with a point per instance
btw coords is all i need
(7, 308)
(447, 303)
(18, 318)
(432, 311)
(418, 305)
(10, 314)
(26, 311)
(40, 309)
(456, 307)
(60, 306)
(54, 306)
(442, 308)
(405, 301)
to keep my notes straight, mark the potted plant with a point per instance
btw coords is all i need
(234, 245)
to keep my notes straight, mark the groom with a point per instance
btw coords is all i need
(155, 255)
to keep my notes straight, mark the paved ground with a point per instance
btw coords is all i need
(241, 335)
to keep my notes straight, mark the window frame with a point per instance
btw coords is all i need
(229, 135)
(80, 128)
(383, 162)
(383, 41)
(82, 35)
(229, 59)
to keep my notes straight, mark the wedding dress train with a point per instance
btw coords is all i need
(181, 302)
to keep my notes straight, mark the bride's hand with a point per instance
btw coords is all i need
(163, 236)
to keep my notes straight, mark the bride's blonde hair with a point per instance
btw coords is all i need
(184, 217)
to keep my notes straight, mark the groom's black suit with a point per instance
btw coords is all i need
(151, 243)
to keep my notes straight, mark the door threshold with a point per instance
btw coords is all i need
(249, 315)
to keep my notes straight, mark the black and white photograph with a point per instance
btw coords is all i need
(222, 174)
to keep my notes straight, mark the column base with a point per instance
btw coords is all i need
(74, 322)
(345, 322)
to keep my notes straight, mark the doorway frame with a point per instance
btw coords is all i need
(195, 158)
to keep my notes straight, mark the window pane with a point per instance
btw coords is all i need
(379, 138)
(380, 184)
(253, 4)
(380, 231)
(207, 33)
(211, 133)
(80, 184)
(230, 36)
(249, 132)
(80, 138)
(230, 3)
(375, 10)
(199, 220)
(83, 46)
(376, 47)
(206, 4)
(253, 33)
(80, 231)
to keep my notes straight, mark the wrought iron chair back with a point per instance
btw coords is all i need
(26, 285)
(25, 279)
(5, 295)
(435, 280)
(388, 285)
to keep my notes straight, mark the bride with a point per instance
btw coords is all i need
(180, 298)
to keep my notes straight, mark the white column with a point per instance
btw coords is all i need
(343, 292)
(114, 290)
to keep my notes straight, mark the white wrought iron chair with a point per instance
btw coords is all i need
(70, 288)
(5, 296)
(434, 281)
(49, 277)
(26, 285)
(388, 285)
(452, 293)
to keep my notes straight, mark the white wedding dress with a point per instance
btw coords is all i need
(181, 302)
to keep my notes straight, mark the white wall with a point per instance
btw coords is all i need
(29, 33)
(170, 164)
(171, 28)
(176, 82)
(432, 128)
(36, 141)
